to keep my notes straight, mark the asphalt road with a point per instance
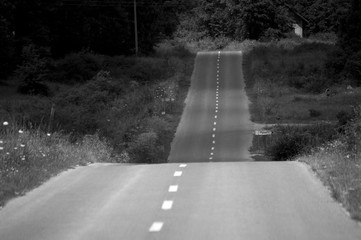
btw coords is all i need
(216, 124)
(192, 197)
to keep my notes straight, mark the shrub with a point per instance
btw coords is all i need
(288, 142)
(144, 149)
(287, 146)
(314, 113)
(76, 68)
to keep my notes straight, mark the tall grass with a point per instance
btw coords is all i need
(29, 157)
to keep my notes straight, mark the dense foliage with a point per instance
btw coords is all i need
(65, 26)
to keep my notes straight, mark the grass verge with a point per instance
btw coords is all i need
(290, 86)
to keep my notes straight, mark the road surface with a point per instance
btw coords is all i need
(193, 197)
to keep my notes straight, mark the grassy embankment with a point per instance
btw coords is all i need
(106, 109)
(287, 84)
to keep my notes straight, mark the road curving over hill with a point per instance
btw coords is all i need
(210, 190)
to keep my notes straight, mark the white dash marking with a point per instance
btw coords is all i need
(212, 154)
(212, 148)
(210, 158)
(214, 129)
(178, 173)
(167, 205)
(215, 123)
(216, 111)
(214, 142)
(173, 188)
(156, 227)
(183, 165)
(213, 135)
(216, 116)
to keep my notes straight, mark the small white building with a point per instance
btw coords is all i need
(299, 23)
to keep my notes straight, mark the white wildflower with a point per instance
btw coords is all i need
(5, 123)
(22, 145)
(48, 134)
(21, 131)
(1, 148)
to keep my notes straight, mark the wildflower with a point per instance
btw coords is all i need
(48, 134)
(44, 155)
(21, 131)
(348, 156)
(1, 148)
(7, 153)
(15, 148)
(5, 123)
(22, 145)
(1, 141)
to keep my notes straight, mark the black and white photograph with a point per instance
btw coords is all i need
(180, 120)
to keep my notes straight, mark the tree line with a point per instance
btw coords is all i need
(107, 26)
(65, 26)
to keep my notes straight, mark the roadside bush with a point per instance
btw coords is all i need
(288, 142)
(144, 149)
(76, 68)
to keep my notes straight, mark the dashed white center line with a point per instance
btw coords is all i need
(212, 148)
(212, 154)
(215, 116)
(177, 173)
(214, 142)
(215, 123)
(214, 129)
(167, 205)
(210, 158)
(183, 165)
(173, 188)
(213, 135)
(156, 227)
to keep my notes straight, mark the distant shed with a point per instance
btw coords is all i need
(299, 23)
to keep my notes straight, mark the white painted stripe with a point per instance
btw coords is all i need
(183, 165)
(216, 111)
(212, 154)
(167, 205)
(216, 101)
(156, 227)
(210, 158)
(214, 142)
(173, 188)
(212, 148)
(213, 135)
(177, 173)
(214, 129)
(216, 116)
(215, 123)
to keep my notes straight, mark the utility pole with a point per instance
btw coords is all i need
(135, 28)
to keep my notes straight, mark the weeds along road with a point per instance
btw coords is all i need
(199, 195)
